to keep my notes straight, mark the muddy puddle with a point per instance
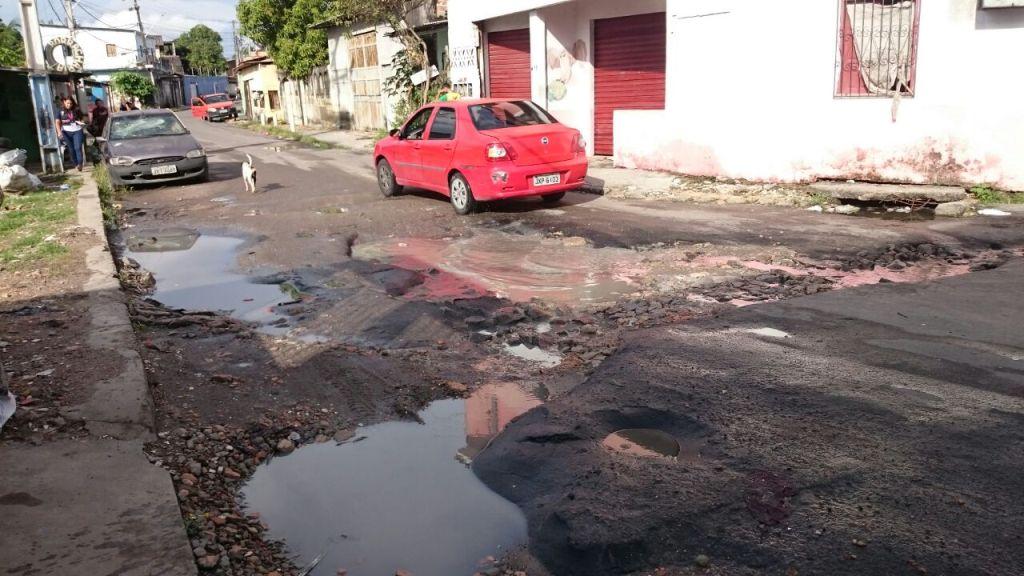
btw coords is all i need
(398, 496)
(196, 272)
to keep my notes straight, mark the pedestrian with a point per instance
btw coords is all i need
(98, 117)
(448, 95)
(126, 106)
(71, 130)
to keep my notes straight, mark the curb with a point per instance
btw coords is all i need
(121, 406)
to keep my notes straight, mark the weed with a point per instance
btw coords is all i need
(286, 134)
(820, 199)
(29, 225)
(109, 195)
(988, 195)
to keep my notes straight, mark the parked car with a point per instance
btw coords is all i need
(214, 107)
(480, 150)
(151, 147)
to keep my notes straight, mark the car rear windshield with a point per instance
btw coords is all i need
(498, 115)
(148, 126)
(216, 99)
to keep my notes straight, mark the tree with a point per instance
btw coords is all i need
(200, 49)
(396, 14)
(132, 84)
(12, 47)
(284, 28)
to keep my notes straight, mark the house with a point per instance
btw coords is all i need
(105, 50)
(308, 101)
(895, 90)
(260, 88)
(361, 61)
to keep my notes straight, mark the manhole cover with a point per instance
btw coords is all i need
(643, 442)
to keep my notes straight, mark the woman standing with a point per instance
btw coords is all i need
(70, 129)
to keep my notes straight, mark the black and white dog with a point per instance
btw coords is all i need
(249, 174)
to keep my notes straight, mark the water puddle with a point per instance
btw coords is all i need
(514, 266)
(194, 272)
(399, 496)
(643, 442)
(533, 354)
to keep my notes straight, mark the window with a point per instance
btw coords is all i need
(877, 47)
(197, 102)
(111, 50)
(414, 128)
(499, 115)
(216, 98)
(145, 126)
(443, 127)
(275, 100)
(362, 51)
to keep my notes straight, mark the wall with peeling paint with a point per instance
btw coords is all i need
(750, 89)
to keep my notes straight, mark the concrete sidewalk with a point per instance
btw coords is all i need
(95, 505)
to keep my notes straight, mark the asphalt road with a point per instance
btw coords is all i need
(881, 434)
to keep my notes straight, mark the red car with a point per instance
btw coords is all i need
(479, 150)
(214, 107)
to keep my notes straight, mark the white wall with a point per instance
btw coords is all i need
(750, 91)
(94, 45)
(762, 108)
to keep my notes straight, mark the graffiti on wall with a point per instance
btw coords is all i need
(561, 64)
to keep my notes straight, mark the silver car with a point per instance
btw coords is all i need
(151, 147)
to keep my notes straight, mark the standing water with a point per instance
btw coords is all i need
(398, 496)
(198, 276)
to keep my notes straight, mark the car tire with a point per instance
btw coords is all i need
(386, 179)
(552, 198)
(204, 176)
(461, 195)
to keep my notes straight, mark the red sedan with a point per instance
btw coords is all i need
(478, 150)
(214, 107)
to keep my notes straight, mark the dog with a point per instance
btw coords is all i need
(249, 174)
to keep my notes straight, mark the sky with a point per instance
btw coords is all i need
(169, 18)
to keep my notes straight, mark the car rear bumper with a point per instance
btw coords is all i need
(506, 180)
(143, 173)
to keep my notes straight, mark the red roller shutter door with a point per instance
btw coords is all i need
(508, 63)
(629, 71)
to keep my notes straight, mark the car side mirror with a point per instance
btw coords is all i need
(395, 132)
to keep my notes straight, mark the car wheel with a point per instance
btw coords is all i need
(552, 198)
(461, 195)
(386, 179)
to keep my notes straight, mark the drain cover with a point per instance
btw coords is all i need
(643, 442)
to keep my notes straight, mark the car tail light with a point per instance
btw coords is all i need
(499, 151)
(579, 143)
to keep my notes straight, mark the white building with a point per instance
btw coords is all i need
(107, 50)
(361, 61)
(894, 90)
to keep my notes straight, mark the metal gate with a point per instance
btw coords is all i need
(508, 64)
(629, 71)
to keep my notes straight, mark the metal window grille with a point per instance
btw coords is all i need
(876, 51)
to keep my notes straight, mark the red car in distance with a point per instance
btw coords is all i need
(213, 107)
(480, 150)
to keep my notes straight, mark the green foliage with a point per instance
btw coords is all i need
(108, 194)
(12, 47)
(200, 49)
(400, 86)
(988, 195)
(285, 29)
(132, 84)
(29, 225)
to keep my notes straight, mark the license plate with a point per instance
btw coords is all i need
(547, 179)
(161, 170)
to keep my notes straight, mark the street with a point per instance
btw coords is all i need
(840, 407)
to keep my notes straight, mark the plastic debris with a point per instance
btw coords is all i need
(815, 209)
(8, 406)
(993, 212)
(16, 157)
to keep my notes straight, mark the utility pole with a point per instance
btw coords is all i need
(237, 40)
(69, 10)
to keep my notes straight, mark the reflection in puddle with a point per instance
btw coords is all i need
(197, 275)
(643, 442)
(399, 499)
(537, 355)
(518, 267)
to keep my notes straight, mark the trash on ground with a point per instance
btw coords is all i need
(993, 212)
(8, 405)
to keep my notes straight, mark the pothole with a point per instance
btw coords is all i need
(643, 443)
(533, 354)
(399, 496)
(194, 272)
